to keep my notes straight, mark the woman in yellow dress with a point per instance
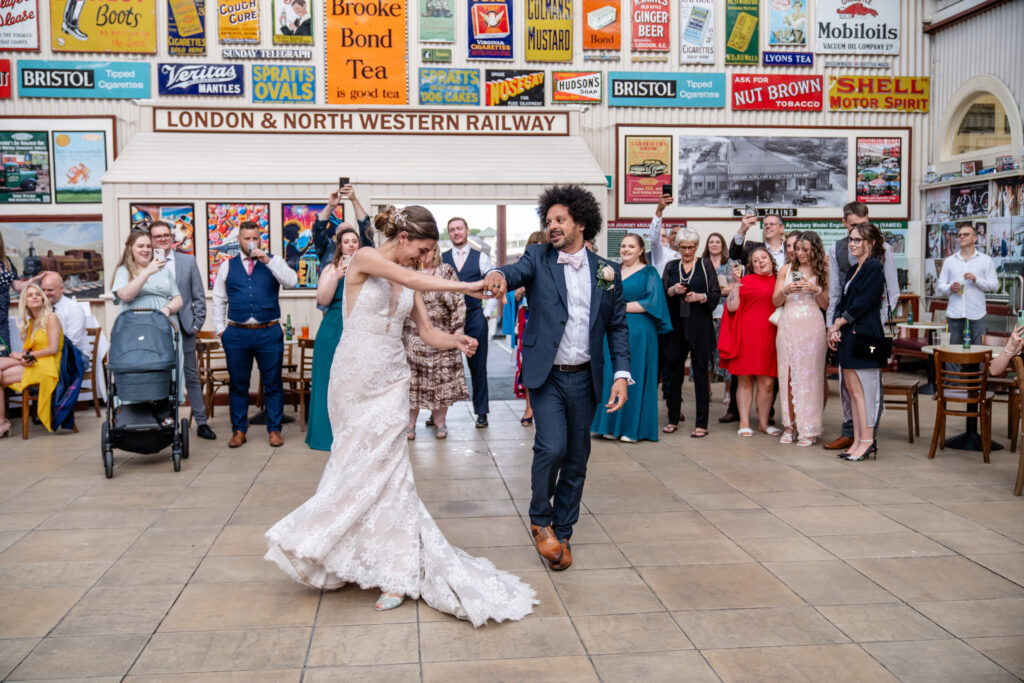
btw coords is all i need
(39, 363)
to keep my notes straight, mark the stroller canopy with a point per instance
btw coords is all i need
(142, 341)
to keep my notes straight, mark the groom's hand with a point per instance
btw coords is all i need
(494, 282)
(617, 397)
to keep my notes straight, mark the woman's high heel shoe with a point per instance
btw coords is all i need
(386, 602)
(872, 451)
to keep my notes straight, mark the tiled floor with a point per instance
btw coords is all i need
(715, 559)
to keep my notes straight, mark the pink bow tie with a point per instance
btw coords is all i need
(574, 260)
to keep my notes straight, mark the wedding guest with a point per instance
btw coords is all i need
(663, 242)
(857, 313)
(38, 363)
(647, 316)
(965, 278)
(184, 271)
(522, 315)
(716, 253)
(142, 282)
(691, 285)
(247, 316)
(438, 380)
(748, 346)
(802, 290)
(1014, 345)
(791, 239)
(71, 315)
(330, 291)
(8, 276)
(327, 225)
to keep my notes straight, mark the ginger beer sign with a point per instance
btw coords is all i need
(366, 52)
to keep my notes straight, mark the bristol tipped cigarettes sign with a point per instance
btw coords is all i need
(777, 92)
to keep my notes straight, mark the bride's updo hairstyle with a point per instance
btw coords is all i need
(414, 220)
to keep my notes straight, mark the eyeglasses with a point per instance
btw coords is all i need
(687, 247)
(965, 234)
(162, 236)
(856, 240)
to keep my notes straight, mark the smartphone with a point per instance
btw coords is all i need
(1020, 318)
(797, 276)
(342, 182)
(749, 211)
(666, 189)
(346, 259)
(159, 254)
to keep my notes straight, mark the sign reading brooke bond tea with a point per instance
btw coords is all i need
(366, 52)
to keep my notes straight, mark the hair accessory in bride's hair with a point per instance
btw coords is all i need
(400, 220)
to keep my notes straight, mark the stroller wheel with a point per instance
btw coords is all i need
(184, 438)
(176, 456)
(107, 453)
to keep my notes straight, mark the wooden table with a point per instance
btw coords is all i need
(970, 439)
(928, 328)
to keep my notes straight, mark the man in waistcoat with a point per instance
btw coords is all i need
(839, 264)
(247, 316)
(191, 317)
(471, 265)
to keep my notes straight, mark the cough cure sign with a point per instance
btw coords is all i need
(777, 92)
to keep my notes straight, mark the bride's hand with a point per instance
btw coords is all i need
(465, 343)
(476, 289)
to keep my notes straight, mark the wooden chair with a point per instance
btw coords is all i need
(213, 368)
(905, 398)
(965, 386)
(1012, 396)
(94, 363)
(300, 383)
(1018, 367)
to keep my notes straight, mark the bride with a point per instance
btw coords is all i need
(366, 523)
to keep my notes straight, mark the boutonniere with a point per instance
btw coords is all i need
(605, 276)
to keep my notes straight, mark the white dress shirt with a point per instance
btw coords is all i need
(574, 348)
(72, 320)
(778, 255)
(278, 268)
(660, 254)
(169, 256)
(969, 302)
(460, 254)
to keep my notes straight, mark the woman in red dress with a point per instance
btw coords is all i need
(748, 349)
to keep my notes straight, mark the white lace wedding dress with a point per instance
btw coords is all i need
(366, 523)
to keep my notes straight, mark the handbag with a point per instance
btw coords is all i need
(776, 316)
(871, 347)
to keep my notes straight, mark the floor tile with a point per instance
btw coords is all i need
(927, 518)
(977, 618)
(933, 660)
(190, 652)
(1009, 566)
(630, 633)
(908, 544)
(658, 527)
(81, 657)
(744, 524)
(1007, 514)
(785, 550)
(977, 542)
(765, 627)
(350, 605)
(882, 622)
(568, 669)
(449, 641)
(922, 579)
(798, 663)
(276, 676)
(240, 540)
(384, 673)
(80, 545)
(660, 667)
(26, 612)
(485, 531)
(1006, 652)
(57, 574)
(828, 583)
(684, 553)
(12, 651)
(232, 569)
(112, 610)
(605, 591)
(253, 604)
(720, 586)
(844, 521)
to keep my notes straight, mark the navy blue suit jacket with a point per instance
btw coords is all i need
(544, 280)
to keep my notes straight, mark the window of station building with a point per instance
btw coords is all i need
(983, 126)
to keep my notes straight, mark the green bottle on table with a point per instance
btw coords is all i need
(288, 328)
(967, 334)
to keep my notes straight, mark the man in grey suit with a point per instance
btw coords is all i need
(191, 317)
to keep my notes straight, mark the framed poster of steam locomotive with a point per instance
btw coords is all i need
(806, 172)
(52, 165)
(69, 245)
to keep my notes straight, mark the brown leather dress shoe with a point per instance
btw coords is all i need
(547, 545)
(566, 561)
(275, 439)
(237, 439)
(843, 442)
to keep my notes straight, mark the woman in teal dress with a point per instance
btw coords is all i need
(330, 293)
(144, 282)
(647, 317)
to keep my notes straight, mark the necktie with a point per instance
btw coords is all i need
(574, 260)
(251, 264)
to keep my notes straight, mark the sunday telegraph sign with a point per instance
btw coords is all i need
(360, 122)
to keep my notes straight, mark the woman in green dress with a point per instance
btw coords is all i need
(329, 292)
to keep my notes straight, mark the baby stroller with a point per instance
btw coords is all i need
(143, 370)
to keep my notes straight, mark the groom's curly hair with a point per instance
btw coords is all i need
(582, 205)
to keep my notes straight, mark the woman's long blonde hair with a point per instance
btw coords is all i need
(25, 319)
(127, 257)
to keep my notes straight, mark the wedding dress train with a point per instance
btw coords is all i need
(366, 523)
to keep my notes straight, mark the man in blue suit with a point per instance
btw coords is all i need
(575, 303)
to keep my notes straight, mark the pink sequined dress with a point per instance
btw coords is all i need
(801, 345)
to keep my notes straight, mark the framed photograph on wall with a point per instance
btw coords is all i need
(222, 221)
(967, 169)
(53, 164)
(806, 172)
(297, 239)
(181, 218)
(648, 167)
(69, 245)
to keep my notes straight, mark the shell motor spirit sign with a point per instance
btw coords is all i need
(777, 92)
(878, 93)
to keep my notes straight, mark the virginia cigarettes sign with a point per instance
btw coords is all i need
(777, 92)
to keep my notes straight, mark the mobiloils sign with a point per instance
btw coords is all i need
(857, 27)
(634, 89)
(100, 80)
(200, 79)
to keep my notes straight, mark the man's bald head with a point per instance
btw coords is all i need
(53, 287)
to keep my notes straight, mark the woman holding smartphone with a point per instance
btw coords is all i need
(329, 293)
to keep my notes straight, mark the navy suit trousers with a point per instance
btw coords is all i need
(476, 327)
(563, 408)
(266, 347)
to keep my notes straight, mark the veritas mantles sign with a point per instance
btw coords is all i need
(364, 122)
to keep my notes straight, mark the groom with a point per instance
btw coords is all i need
(575, 302)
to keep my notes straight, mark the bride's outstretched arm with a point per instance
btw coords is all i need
(439, 339)
(369, 262)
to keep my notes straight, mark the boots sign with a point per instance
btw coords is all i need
(19, 24)
(102, 26)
